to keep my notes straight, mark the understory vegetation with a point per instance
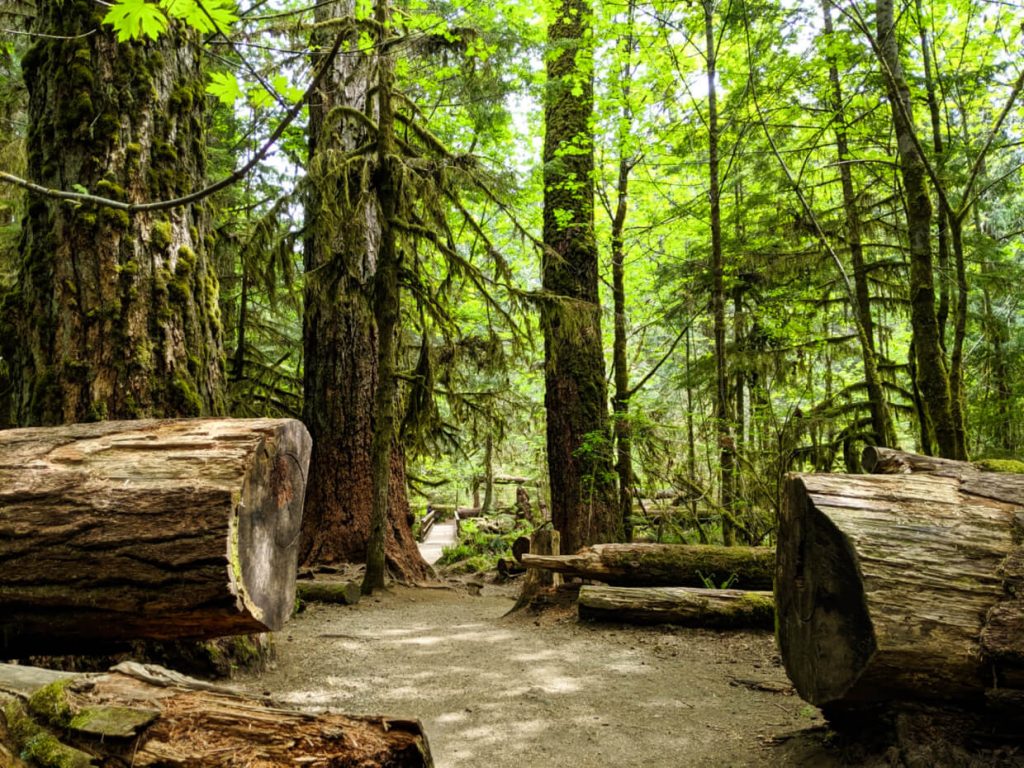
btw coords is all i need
(785, 230)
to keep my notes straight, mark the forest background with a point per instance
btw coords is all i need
(661, 249)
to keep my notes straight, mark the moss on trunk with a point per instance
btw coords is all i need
(113, 316)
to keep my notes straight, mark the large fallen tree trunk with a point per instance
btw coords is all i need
(685, 606)
(147, 530)
(664, 565)
(902, 586)
(139, 715)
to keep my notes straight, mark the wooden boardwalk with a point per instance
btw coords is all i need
(441, 535)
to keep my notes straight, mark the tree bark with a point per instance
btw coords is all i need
(583, 505)
(147, 530)
(881, 418)
(900, 587)
(711, 608)
(113, 315)
(664, 565)
(723, 416)
(142, 715)
(340, 335)
(933, 377)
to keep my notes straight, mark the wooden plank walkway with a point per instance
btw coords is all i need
(441, 535)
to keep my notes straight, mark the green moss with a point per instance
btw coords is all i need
(119, 722)
(51, 703)
(115, 218)
(1001, 465)
(129, 269)
(183, 396)
(133, 149)
(110, 189)
(87, 218)
(97, 412)
(37, 744)
(164, 152)
(186, 261)
(161, 235)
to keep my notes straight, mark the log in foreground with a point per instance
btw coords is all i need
(142, 715)
(684, 606)
(664, 565)
(903, 586)
(147, 530)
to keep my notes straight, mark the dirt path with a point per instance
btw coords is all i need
(526, 691)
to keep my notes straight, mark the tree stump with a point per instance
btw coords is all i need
(158, 530)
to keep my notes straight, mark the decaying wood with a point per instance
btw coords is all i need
(664, 565)
(685, 606)
(139, 716)
(900, 586)
(339, 592)
(544, 541)
(147, 529)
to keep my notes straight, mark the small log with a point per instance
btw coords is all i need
(892, 586)
(520, 547)
(160, 530)
(684, 606)
(142, 715)
(338, 592)
(508, 569)
(664, 565)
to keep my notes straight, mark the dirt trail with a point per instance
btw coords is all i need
(524, 691)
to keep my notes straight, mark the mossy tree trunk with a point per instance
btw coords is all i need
(113, 315)
(340, 336)
(932, 374)
(583, 505)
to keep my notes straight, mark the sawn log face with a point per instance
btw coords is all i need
(148, 529)
(884, 584)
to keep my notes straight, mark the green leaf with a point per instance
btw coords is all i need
(220, 11)
(224, 85)
(133, 19)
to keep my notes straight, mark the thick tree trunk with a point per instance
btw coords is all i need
(141, 715)
(664, 565)
(340, 337)
(688, 607)
(901, 587)
(932, 375)
(147, 530)
(583, 505)
(113, 315)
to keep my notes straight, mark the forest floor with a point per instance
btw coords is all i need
(542, 689)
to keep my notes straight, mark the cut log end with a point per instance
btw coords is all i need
(819, 597)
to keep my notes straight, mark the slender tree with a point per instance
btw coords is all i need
(578, 441)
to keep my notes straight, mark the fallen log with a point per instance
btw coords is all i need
(683, 606)
(159, 530)
(337, 592)
(664, 565)
(142, 715)
(905, 586)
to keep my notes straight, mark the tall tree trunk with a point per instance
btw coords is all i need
(340, 337)
(620, 364)
(942, 217)
(113, 315)
(488, 502)
(583, 505)
(881, 418)
(933, 377)
(727, 456)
